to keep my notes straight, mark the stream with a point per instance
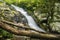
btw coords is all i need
(31, 22)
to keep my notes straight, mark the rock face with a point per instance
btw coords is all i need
(10, 14)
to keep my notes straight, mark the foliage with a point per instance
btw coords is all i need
(5, 34)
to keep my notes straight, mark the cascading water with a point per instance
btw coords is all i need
(30, 20)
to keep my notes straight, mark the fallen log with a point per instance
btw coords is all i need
(20, 26)
(28, 33)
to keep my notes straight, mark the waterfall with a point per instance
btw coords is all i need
(30, 20)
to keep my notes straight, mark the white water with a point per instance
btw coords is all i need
(30, 20)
